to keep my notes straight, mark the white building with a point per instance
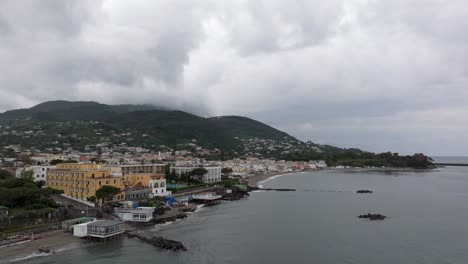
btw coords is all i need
(81, 230)
(39, 172)
(213, 174)
(140, 214)
(158, 187)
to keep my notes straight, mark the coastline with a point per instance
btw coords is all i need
(62, 241)
(262, 178)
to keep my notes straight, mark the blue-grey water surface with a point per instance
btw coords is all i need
(427, 223)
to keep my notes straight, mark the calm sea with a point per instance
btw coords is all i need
(427, 223)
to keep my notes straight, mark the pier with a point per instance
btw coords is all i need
(452, 164)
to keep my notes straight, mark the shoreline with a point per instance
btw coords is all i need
(60, 241)
(262, 178)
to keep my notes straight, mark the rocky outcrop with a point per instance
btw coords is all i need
(373, 217)
(166, 244)
(364, 191)
(159, 242)
(235, 195)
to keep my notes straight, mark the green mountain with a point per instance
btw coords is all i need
(60, 124)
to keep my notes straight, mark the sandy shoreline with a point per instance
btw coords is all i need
(260, 178)
(58, 240)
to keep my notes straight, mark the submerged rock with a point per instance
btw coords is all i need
(373, 217)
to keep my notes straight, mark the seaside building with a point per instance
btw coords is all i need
(206, 198)
(81, 181)
(39, 172)
(105, 228)
(102, 229)
(140, 214)
(68, 224)
(213, 175)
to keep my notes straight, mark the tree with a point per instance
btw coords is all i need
(107, 192)
(27, 174)
(226, 170)
(55, 161)
(5, 175)
(197, 174)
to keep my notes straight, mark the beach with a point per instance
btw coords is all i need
(258, 179)
(57, 240)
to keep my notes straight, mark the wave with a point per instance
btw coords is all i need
(33, 255)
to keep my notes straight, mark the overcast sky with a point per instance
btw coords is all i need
(378, 75)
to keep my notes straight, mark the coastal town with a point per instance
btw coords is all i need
(102, 195)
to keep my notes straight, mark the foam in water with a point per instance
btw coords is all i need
(33, 255)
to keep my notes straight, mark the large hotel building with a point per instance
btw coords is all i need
(81, 181)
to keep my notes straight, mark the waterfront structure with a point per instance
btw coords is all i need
(80, 230)
(81, 181)
(105, 228)
(207, 198)
(140, 214)
(213, 175)
(102, 229)
(156, 169)
(68, 224)
(39, 172)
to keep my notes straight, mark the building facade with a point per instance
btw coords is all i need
(158, 187)
(157, 169)
(81, 181)
(39, 172)
(213, 175)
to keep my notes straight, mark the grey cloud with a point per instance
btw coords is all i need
(373, 74)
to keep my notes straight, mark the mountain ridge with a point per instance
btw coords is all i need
(84, 123)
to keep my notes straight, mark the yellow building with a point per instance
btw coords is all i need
(81, 181)
(141, 179)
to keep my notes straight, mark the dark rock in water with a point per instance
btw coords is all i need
(236, 194)
(364, 191)
(159, 242)
(46, 250)
(166, 244)
(373, 217)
